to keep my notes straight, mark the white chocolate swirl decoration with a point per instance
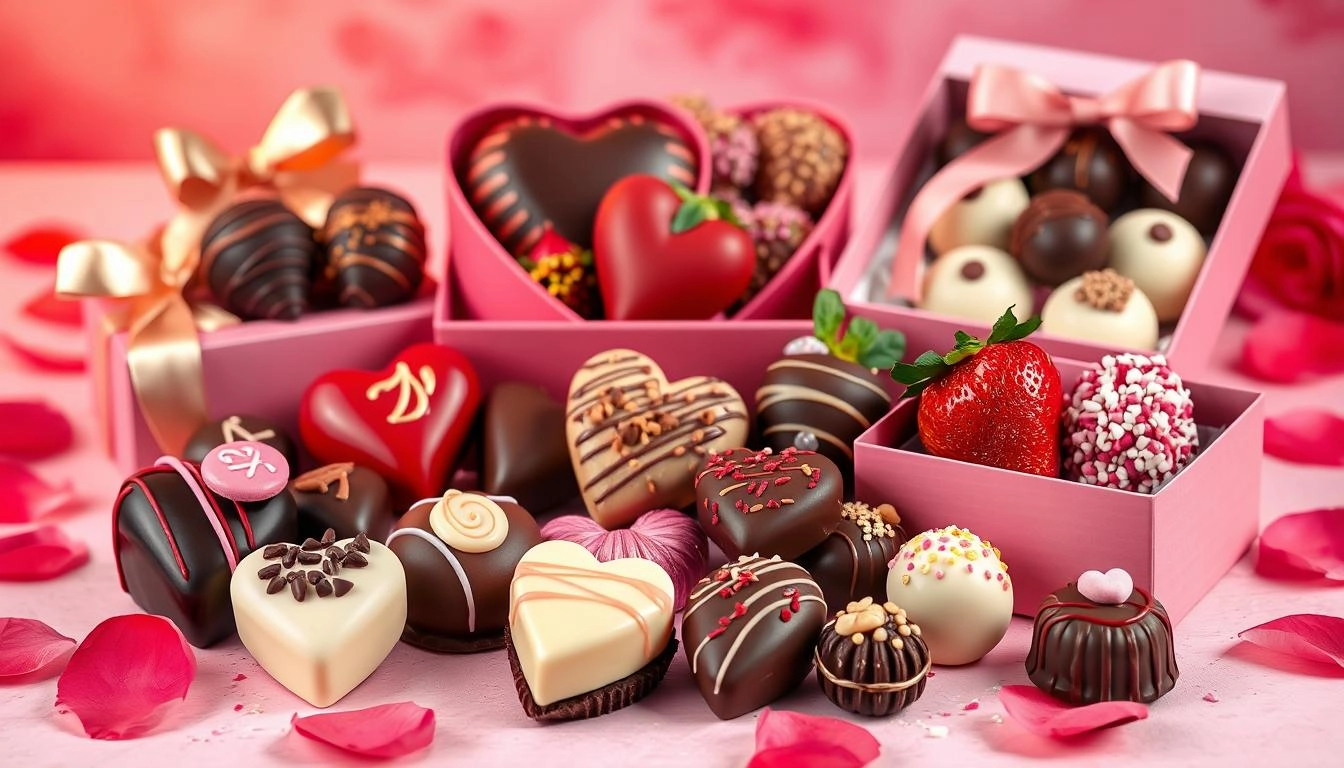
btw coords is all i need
(469, 522)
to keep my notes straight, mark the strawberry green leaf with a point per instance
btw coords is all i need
(689, 216)
(887, 349)
(828, 314)
(963, 337)
(1007, 329)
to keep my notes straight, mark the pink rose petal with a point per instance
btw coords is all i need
(50, 308)
(54, 361)
(1285, 347)
(123, 675)
(1304, 545)
(33, 429)
(388, 730)
(794, 739)
(41, 243)
(40, 554)
(27, 645)
(24, 496)
(1308, 636)
(1306, 436)
(1044, 715)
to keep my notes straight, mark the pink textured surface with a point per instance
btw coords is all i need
(1234, 705)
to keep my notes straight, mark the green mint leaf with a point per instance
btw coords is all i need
(887, 349)
(864, 333)
(689, 216)
(847, 348)
(828, 313)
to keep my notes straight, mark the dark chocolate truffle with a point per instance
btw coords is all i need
(1084, 652)
(257, 259)
(1205, 192)
(525, 454)
(750, 632)
(457, 576)
(232, 429)
(851, 563)
(344, 498)
(1090, 162)
(375, 248)
(802, 158)
(175, 557)
(1060, 236)
(960, 139)
(871, 659)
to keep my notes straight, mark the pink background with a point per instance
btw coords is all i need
(411, 67)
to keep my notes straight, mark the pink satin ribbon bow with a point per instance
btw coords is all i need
(1033, 119)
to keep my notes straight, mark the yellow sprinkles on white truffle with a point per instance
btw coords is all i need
(947, 552)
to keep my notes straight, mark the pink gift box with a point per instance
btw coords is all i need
(488, 283)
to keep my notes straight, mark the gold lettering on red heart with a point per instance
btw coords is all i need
(235, 432)
(408, 386)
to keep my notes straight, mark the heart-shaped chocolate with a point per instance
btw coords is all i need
(525, 454)
(768, 503)
(749, 631)
(636, 439)
(345, 498)
(531, 170)
(577, 625)
(1110, 588)
(407, 422)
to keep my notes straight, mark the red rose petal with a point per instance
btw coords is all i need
(1306, 436)
(55, 361)
(1285, 346)
(1303, 545)
(388, 730)
(794, 739)
(24, 496)
(42, 243)
(48, 307)
(27, 645)
(40, 554)
(34, 430)
(124, 673)
(1044, 715)
(1308, 636)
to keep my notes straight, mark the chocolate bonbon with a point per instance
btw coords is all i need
(983, 217)
(1206, 188)
(345, 498)
(777, 230)
(1102, 307)
(750, 631)
(974, 282)
(802, 157)
(524, 451)
(1090, 162)
(257, 258)
(236, 427)
(1162, 253)
(852, 562)
(1059, 236)
(375, 248)
(871, 659)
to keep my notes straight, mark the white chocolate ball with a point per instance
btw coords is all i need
(984, 217)
(977, 282)
(955, 587)
(1069, 315)
(1162, 253)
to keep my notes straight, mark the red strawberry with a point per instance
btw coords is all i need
(995, 402)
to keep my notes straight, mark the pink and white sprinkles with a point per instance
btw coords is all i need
(1130, 424)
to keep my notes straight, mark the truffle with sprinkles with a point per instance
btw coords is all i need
(957, 588)
(851, 563)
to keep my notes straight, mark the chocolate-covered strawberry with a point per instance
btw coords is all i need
(995, 402)
(828, 388)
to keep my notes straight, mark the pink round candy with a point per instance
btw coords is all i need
(245, 471)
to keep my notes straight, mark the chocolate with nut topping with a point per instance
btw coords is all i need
(323, 581)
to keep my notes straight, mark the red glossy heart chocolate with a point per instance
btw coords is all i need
(407, 422)
(647, 272)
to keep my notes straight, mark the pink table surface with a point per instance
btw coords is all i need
(1232, 703)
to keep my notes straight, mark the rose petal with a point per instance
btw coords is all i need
(123, 675)
(1306, 436)
(33, 429)
(388, 730)
(1304, 545)
(1044, 715)
(1308, 636)
(1286, 346)
(41, 243)
(24, 496)
(55, 361)
(794, 739)
(48, 307)
(40, 554)
(27, 645)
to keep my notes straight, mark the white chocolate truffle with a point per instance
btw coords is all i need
(984, 217)
(1102, 307)
(957, 589)
(977, 282)
(1162, 253)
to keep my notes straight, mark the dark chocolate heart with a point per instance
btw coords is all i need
(525, 454)
(768, 503)
(345, 498)
(528, 172)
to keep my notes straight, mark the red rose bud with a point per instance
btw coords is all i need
(1300, 260)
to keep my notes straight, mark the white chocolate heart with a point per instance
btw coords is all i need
(322, 647)
(1110, 588)
(577, 625)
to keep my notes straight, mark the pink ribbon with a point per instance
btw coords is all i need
(1033, 119)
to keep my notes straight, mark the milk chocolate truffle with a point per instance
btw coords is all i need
(1059, 236)
(235, 428)
(1162, 253)
(974, 282)
(983, 217)
(1205, 192)
(960, 139)
(1090, 162)
(375, 248)
(257, 259)
(852, 562)
(1101, 307)
(871, 659)
(802, 158)
(343, 498)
